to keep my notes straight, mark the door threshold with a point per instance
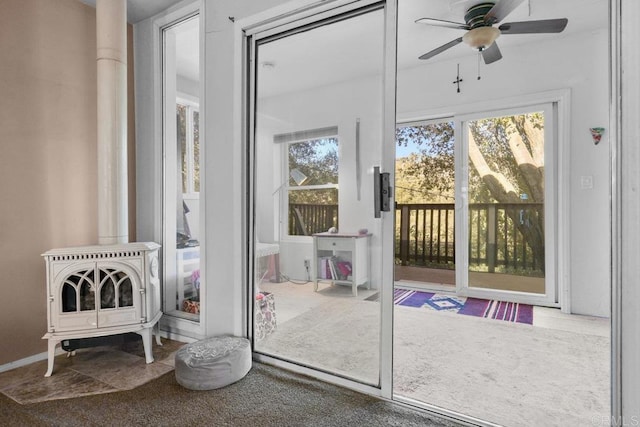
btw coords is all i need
(424, 286)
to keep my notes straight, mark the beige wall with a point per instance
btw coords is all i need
(47, 155)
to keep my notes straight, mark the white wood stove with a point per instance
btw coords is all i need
(95, 291)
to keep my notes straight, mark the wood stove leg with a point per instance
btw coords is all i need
(53, 343)
(156, 332)
(146, 342)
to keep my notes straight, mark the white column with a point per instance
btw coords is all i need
(111, 28)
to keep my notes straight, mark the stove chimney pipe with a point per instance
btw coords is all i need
(111, 32)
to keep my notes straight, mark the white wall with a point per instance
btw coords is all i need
(223, 158)
(187, 86)
(337, 105)
(587, 80)
(577, 63)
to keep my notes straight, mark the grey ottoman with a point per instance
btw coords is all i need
(213, 362)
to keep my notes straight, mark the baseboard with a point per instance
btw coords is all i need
(177, 337)
(28, 360)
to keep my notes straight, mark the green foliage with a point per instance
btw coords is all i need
(318, 161)
(428, 175)
(506, 163)
(492, 137)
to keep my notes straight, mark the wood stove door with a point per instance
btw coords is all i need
(118, 296)
(73, 305)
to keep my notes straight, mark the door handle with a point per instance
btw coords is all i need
(382, 191)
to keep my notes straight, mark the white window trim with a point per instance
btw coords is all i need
(284, 200)
(150, 175)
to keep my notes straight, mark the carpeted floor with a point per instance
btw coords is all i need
(267, 396)
(508, 373)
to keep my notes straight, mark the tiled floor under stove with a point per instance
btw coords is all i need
(91, 371)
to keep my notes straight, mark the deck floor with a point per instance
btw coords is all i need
(507, 282)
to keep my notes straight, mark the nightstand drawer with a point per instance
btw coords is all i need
(335, 244)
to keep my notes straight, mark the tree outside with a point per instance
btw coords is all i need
(313, 203)
(506, 169)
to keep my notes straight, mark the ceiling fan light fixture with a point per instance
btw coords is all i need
(481, 37)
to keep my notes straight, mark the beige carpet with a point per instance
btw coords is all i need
(338, 336)
(266, 397)
(91, 371)
(507, 373)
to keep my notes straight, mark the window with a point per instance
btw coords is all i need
(312, 185)
(188, 133)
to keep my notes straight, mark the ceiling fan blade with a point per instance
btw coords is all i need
(442, 23)
(491, 54)
(501, 10)
(531, 27)
(441, 49)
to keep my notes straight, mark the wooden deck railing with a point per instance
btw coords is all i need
(306, 219)
(500, 234)
(508, 235)
(425, 234)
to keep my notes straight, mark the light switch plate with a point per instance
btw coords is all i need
(586, 182)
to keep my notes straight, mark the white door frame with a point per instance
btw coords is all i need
(289, 17)
(550, 297)
(562, 99)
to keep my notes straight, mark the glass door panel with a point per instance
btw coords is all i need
(182, 169)
(506, 202)
(506, 248)
(318, 135)
(425, 204)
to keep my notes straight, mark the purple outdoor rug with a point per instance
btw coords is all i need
(491, 309)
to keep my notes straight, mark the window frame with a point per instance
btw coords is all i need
(286, 187)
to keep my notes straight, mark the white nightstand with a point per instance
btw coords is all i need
(341, 258)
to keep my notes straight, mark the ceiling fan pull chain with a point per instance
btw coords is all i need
(458, 80)
(479, 55)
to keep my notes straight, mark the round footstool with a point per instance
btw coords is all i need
(213, 362)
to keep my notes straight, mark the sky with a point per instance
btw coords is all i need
(405, 151)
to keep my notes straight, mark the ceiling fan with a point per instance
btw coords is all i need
(481, 34)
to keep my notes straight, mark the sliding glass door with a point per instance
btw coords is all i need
(317, 137)
(506, 246)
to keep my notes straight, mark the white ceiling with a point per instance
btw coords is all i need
(352, 47)
(138, 10)
(416, 39)
(311, 60)
(343, 51)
